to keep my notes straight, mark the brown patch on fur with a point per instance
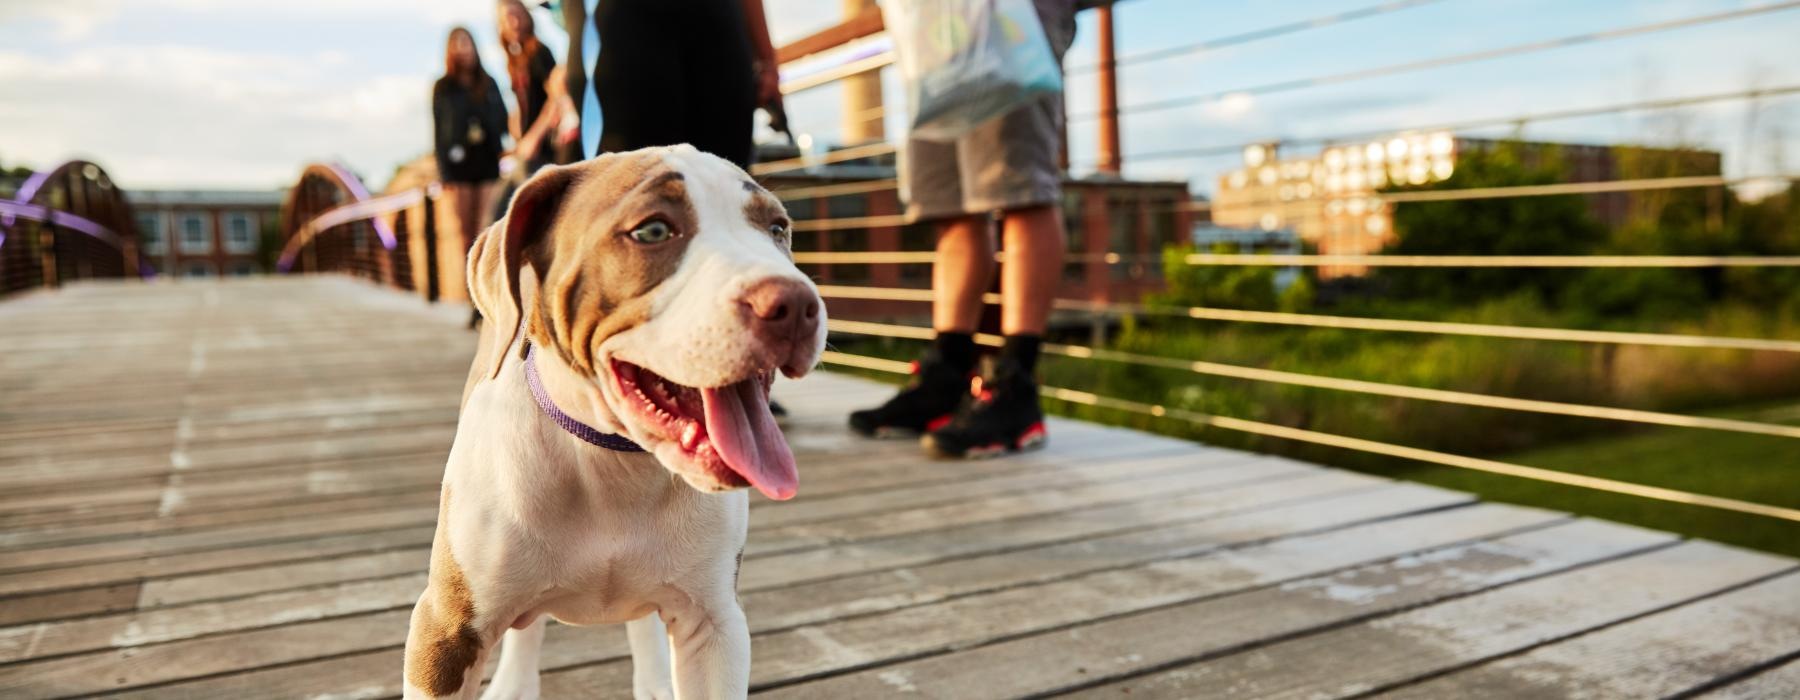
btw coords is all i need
(595, 277)
(443, 644)
(764, 210)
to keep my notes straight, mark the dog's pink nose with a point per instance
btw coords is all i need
(783, 310)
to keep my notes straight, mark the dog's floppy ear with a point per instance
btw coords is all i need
(499, 252)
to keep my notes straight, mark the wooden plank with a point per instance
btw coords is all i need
(1393, 650)
(107, 573)
(180, 521)
(108, 671)
(784, 607)
(68, 603)
(1779, 682)
(1133, 481)
(1656, 656)
(168, 624)
(570, 647)
(1171, 611)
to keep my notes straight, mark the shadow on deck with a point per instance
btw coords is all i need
(228, 489)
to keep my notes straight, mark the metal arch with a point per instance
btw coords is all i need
(300, 234)
(25, 205)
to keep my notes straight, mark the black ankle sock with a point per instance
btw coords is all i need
(1021, 351)
(956, 350)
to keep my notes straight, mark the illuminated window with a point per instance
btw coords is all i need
(1267, 176)
(1397, 149)
(1305, 190)
(1239, 179)
(1374, 153)
(1442, 169)
(1334, 159)
(1270, 222)
(1255, 155)
(1442, 144)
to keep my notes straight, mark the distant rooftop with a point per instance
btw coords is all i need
(267, 198)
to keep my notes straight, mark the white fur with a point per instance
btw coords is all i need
(542, 524)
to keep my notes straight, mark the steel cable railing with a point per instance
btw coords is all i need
(1351, 385)
(1369, 446)
(1475, 123)
(1283, 318)
(1452, 60)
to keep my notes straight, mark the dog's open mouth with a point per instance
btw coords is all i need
(728, 430)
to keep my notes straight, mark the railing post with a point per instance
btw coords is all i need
(47, 251)
(428, 234)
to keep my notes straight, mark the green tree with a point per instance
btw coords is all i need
(1558, 225)
(1222, 286)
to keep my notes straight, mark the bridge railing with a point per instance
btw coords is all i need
(64, 224)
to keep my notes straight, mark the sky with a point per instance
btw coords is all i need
(242, 95)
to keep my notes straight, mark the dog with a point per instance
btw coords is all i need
(611, 422)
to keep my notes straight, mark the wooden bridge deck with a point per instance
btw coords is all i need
(227, 490)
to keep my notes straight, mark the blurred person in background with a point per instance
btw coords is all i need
(531, 69)
(1007, 165)
(664, 73)
(469, 123)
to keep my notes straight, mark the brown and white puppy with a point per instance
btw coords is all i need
(659, 293)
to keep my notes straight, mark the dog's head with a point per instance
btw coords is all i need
(667, 281)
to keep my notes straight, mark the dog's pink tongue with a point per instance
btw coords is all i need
(746, 437)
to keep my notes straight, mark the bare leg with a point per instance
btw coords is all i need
(1034, 258)
(652, 675)
(964, 267)
(516, 676)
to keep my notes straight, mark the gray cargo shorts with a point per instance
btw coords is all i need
(1006, 163)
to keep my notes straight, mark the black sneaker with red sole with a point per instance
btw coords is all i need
(1003, 418)
(926, 403)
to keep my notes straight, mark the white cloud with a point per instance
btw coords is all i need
(188, 116)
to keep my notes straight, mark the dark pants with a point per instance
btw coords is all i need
(669, 72)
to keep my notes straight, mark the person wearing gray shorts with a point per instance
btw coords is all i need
(1005, 169)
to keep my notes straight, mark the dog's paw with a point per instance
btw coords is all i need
(645, 691)
(512, 689)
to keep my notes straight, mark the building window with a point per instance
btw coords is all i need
(240, 232)
(197, 269)
(1074, 223)
(150, 232)
(243, 268)
(196, 236)
(1123, 238)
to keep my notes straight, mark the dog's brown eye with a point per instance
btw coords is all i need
(779, 229)
(652, 232)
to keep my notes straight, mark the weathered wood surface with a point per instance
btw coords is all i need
(228, 490)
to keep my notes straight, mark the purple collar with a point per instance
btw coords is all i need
(587, 433)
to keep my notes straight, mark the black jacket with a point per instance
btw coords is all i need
(468, 131)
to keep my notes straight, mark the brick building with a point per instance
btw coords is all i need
(1330, 200)
(205, 233)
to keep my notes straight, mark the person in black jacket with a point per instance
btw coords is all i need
(470, 122)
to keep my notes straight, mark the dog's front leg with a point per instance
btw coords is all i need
(652, 675)
(516, 676)
(711, 642)
(445, 652)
